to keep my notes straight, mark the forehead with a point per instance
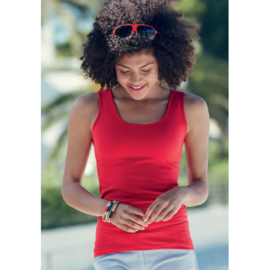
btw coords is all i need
(137, 58)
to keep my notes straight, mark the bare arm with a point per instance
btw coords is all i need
(79, 144)
(196, 192)
(196, 144)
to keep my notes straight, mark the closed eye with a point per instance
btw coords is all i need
(142, 70)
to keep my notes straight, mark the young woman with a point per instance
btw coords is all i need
(138, 128)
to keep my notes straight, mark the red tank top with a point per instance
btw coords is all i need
(136, 163)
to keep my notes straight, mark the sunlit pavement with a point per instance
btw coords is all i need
(71, 248)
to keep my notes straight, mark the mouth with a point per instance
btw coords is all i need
(136, 89)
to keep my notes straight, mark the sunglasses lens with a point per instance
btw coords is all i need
(123, 31)
(146, 31)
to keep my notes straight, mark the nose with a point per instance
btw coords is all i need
(135, 78)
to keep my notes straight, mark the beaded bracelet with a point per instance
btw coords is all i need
(112, 211)
(107, 209)
(110, 208)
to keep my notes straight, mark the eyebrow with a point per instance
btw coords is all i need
(140, 67)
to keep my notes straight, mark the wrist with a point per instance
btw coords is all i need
(102, 207)
(183, 193)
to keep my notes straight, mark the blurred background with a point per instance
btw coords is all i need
(68, 235)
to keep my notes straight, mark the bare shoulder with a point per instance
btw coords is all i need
(192, 100)
(86, 107)
(88, 100)
(196, 110)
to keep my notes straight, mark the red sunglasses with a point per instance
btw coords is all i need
(126, 30)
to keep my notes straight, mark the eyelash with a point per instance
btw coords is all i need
(142, 70)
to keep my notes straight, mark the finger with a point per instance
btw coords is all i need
(137, 220)
(132, 216)
(170, 215)
(133, 225)
(162, 214)
(156, 213)
(127, 229)
(137, 211)
(149, 211)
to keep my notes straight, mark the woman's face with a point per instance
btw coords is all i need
(137, 70)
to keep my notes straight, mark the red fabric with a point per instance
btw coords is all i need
(136, 163)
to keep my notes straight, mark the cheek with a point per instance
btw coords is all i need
(153, 75)
(120, 76)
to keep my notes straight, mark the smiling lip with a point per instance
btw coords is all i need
(136, 90)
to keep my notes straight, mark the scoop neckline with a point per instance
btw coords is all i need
(134, 124)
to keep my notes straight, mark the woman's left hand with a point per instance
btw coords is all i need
(167, 203)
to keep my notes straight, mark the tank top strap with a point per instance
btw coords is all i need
(177, 111)
(104, 110)
(104, 99)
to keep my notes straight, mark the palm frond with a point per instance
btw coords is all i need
(52, 119)
(210, 81)
(55, 152)
(62, 101)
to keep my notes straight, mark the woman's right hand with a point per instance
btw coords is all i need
(125, 215)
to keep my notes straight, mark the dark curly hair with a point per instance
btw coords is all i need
(172, 45)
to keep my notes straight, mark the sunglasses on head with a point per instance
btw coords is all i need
(126, 30)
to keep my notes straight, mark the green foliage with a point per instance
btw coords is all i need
(64, 50)
(56, 213)
(213, 15)
(57, 111)
(72, 13)
(210, 81)
(191, 8)
(217, 174)
(214, 31)
(54, 210)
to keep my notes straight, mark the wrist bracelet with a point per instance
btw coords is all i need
(112, 211)
(110, 207)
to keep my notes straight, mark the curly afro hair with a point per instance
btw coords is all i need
(172, 45)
